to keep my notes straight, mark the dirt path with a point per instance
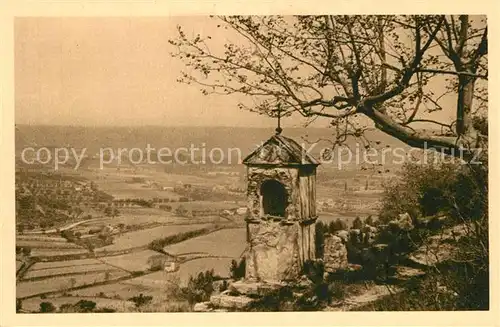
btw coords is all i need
(67, 227)
(374, 292)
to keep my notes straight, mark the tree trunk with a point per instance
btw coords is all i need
(468, 136)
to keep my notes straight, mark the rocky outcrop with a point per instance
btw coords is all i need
(335, 254)
(439, 248)
(228, 301)
(403, 222)
(238, 297)
(202, 307)
(343, 234)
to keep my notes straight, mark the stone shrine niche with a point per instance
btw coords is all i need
(281, 190)
(274, 198)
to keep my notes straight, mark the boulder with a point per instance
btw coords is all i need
(335, 254)
(405, 273)
(304, 283)
(343, 234)
(354, 267)
(376, 253)
(253, 288)
(369, 229)
(224, 300)
(403, 222)
(439, 248)
(202, 307)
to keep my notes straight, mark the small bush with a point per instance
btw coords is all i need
(47, 307)
(336, 225)
(237, 270)
(141, 300)
(357, 223)
(369, 221)
(199, 288)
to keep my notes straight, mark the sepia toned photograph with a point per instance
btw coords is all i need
(251, 164)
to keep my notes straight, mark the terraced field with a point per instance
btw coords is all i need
(68, 270)
(156, 280)
(193, 267)
(145, 236)
(56, 252)
(48, 244)
(40, 238)
(135, 261)
(224, 243)
(66, 263)
(62, 283)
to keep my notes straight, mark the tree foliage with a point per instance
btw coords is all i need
(384, 68)
(438, 188)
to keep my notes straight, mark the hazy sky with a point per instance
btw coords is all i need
(115, 71)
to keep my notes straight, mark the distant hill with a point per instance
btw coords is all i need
(94, 138)
(225, 138)
(20, 139)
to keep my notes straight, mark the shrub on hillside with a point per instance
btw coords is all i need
(357, 223)
(141, 300)
(461, 283)
(199, 287)
(237, 270)
(429, 189)
(336, 225)
(47, 307)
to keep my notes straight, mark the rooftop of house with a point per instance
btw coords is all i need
(280, 151)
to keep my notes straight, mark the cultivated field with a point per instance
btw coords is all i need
(135, 261)
(47, 244)
(224, 243)
(143, 237)
(193, 267)
(62, 264)
(62, 283)
(36, 252)
(156, 280)
(34, 238)
(66, 271)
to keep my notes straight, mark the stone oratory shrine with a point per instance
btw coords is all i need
(281, 191)
(280, 225)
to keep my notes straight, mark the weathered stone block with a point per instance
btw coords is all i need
(202, 307)
(404, 222)
(230, 302)
(343, 234)
(277, 251)
(254, 288)
(335, 254)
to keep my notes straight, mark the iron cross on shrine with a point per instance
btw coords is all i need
(279, 111)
